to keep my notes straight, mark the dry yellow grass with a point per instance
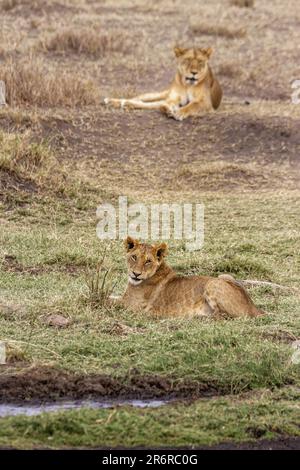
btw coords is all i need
(86, 41)
(230, 69)
(213, 29)
(23, 158)
(9, 4)
(29, 82)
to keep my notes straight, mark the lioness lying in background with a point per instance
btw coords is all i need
(155, 288)
(193, 91)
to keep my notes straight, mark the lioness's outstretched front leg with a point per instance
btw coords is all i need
(145, 98)
(156, 96)
(162, 105)
(133, 103)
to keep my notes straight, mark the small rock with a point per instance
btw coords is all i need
(296, 354)
(2, 93)
(2, 353)
(57, 320)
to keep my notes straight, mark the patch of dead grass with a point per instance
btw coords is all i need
(230, 70)
(32, 165)
(220, 174)
(86, 41)
(8, 5)
(21, 157)
(100, 284)
(30, 82)
(206, 29)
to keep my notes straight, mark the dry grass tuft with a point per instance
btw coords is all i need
(8, 5)
(243, 3)
(32, 165)
(24, 159)
(100, 284)
(230, 70)
(199, 28)
(30, 82)
(220, 174)
(89, 42)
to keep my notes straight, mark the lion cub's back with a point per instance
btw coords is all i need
(181, 295)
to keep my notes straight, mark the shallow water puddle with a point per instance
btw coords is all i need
(8, 409)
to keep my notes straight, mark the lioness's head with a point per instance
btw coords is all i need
(143, 260)
(192, 63)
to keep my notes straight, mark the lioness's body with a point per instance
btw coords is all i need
(157, 289)
(193, 91)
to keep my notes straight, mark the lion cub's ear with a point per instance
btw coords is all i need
(161, 250)
(130, 243)
(178, 51)
(207, 51)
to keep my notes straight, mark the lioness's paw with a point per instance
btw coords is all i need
(178, 116)
(106, 100)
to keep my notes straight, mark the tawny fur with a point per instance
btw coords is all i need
(154, 287)
(194, 90)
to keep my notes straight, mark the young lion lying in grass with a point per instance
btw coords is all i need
(194, 90)
(155, 288)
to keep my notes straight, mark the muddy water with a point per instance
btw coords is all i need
(7, 409)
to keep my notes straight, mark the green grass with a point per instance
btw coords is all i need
(234, 354)
(205, 422)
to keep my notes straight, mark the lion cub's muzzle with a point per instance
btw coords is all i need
(134, 278)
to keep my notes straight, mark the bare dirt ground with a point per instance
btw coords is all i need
(42, 384)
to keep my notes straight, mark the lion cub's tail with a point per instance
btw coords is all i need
(215, 90)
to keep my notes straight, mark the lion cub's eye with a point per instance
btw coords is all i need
(133, 257)
(148, 261)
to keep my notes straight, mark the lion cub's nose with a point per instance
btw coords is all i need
(136, 274)
(194, 73)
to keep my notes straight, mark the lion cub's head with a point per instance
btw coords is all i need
(192, 64)
(143, 260)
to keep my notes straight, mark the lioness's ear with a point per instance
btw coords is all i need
(178, 51)
(161, 250)
(207, 51)
(130, 243)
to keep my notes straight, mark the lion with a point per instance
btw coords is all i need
(193, 92)
(154, 287)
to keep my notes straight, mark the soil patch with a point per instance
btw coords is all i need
(282, 443)
(11, 264)
(46, 384)
(240, 138)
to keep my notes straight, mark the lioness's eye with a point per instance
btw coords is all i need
(133, 258)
